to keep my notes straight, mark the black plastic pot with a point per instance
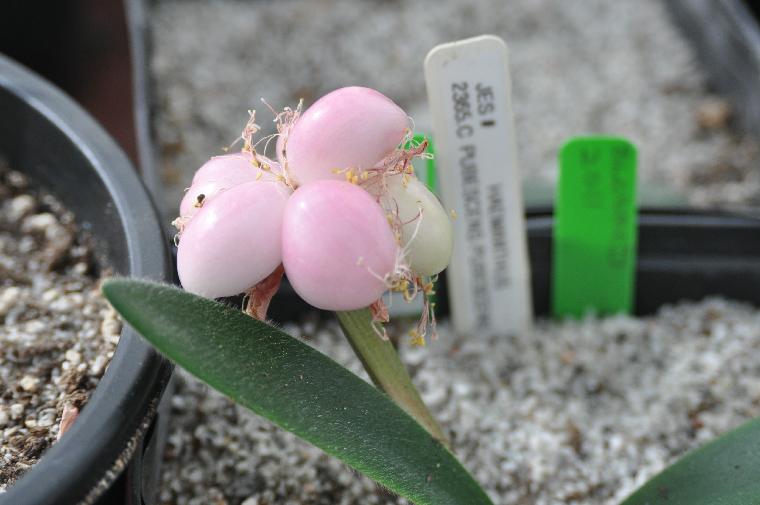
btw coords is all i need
(682, 255)
(726, 39)
(116, 440)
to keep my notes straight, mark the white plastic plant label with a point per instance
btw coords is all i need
(469, 91)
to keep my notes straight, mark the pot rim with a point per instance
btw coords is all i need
(92, 454)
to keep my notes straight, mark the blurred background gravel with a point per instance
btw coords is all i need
(590, 66)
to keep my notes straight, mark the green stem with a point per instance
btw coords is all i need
(386, 370)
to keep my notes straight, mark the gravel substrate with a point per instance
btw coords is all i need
(590, 66)
(57, 334)
(574, 412)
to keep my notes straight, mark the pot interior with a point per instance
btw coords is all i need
(53, 161)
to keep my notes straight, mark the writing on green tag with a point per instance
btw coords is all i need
(595, 227)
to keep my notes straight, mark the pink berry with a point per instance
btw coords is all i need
(337, 245)
(349, 128)
(221, 173)
(234, 241)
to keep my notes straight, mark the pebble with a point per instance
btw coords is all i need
(50, 295)
(39, 223)
(29, 383)
(47, 418)
(35, 327)
(714, 113)
(73, 357)
(8, 298)
(16, 410)
(98, 365)
(20, 207)
(111, 325)
(63, 304)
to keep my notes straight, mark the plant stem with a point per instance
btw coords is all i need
(386, 370)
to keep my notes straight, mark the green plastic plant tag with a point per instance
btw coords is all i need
(595, 227)
(424, 168)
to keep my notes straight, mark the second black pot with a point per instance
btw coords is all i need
(682, 255)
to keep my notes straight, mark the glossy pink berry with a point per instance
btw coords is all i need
(350, 128)
(234, 240)
(337, 245)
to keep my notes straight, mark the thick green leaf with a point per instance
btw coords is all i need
(298, 388)
(726, 471)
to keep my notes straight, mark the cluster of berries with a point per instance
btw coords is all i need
(340, 211)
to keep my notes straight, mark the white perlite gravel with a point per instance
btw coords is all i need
(586, 66)
(57, 333)
(577, 412)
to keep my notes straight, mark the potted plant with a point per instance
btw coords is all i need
(63, 151)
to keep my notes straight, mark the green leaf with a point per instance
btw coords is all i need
(725, 471)
(298, 388)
